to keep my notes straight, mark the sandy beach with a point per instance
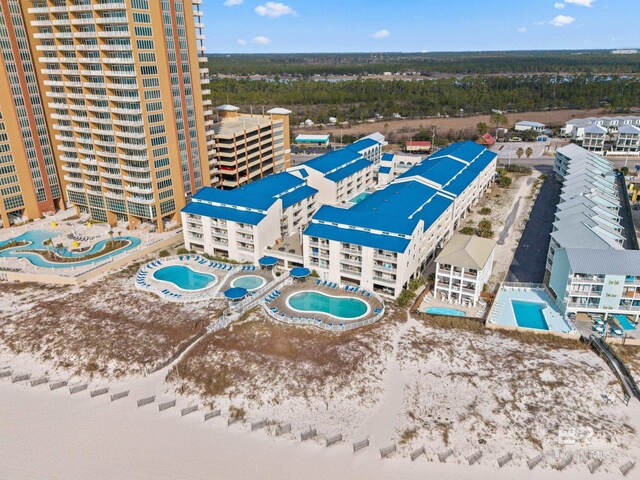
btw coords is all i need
(416, 372)
(52, 435)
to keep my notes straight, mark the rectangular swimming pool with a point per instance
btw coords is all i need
(529, 314)
(360, 197)
(624, 322)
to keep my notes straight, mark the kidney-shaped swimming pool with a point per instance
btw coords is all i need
(184, 277)
(344, 308)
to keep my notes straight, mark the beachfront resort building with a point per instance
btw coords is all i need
(379, 241)
(386, 239)
(241, 223)
(593, 263)
(124, 100)
(249, 146)
(29, 181)
(463, 267)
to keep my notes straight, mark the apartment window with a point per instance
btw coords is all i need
(143, 31)
(140, 4)
(141, 17)
(146, 45)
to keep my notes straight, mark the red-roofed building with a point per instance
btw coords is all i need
(487, 140)
(420, 146)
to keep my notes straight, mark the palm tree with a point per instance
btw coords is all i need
(528, 152)
(111, 236)
(520, 152)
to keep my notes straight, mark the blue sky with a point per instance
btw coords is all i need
(250, 26)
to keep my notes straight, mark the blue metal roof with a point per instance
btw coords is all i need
(362, 144)
(387, 157)
(461, 181)
(358, 237)
(442, 168)
(304, 173)
(260, 194)
(224, 213)
(297, 195)
(366, 218)
(350, 169)
(385, 169)
(433, 209)
(332, 160)
(399, 207)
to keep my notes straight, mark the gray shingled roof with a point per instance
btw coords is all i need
(611, 262)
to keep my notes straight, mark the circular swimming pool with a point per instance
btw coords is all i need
(250, 283)
(185, 278)
(344, 308)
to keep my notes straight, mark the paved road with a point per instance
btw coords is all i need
(541, 162)
(530, 259)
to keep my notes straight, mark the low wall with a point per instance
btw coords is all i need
(53, 279)
(623, 341)
(427, 316)
(570, 336)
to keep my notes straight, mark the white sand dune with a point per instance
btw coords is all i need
(57, 436)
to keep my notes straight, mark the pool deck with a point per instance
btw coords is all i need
(584, 324)
(144, 279)
(267, 274)
(502, 313)
(431, 301)
(67, 228)
(310, 284)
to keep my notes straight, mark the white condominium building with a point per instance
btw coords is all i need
(386, 239)
(338, 176)
(241, 223)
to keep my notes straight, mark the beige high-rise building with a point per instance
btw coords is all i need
(249, 147)
(123, 94)
(29, 184)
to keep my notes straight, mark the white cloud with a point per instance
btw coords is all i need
(562, 20)
(260, 40)
(539, 23)
(559, 5)
(274, 10)
(522, 29)
(582, 3)
(241, 41)
(384, 33)
(232, 3)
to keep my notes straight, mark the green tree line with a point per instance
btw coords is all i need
(363, 98)
(465, 63)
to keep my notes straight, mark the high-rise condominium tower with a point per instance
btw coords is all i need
(29, 184)
(122, 89)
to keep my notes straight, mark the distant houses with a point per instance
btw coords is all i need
(418, 146)
(527, 126)
(611, 135)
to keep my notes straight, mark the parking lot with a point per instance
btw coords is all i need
(529, 262)
(508, 150)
